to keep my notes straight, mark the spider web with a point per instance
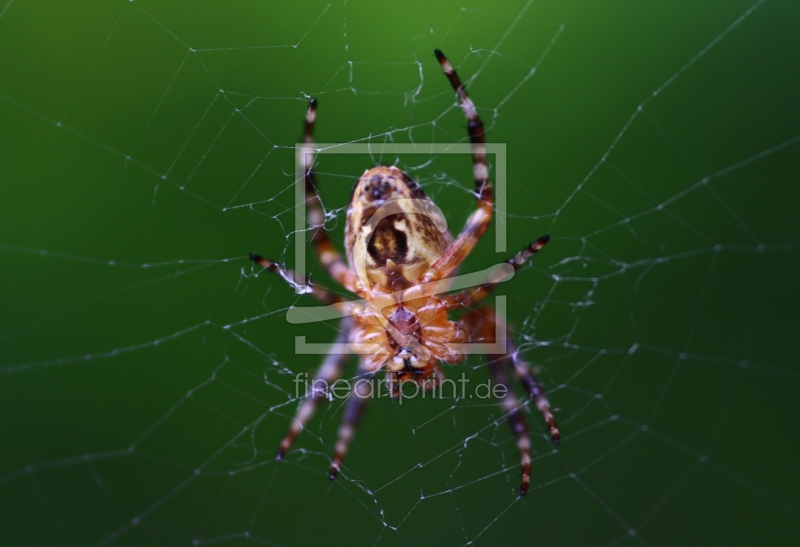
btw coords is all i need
(148, 369)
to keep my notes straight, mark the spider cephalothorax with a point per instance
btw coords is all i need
(399, 258)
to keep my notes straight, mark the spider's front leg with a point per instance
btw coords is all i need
(328, 373)
(356, 404)
(535, 390)
(481, 325)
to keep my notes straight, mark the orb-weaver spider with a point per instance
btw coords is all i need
(391, 262)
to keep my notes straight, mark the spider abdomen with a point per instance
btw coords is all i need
(394, 232)
(389, 241)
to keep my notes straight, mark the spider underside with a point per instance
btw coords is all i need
(394, 265)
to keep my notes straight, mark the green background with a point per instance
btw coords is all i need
(146, 148)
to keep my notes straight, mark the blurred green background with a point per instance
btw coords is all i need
(146, 372)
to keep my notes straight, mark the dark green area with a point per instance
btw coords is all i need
(147, 147)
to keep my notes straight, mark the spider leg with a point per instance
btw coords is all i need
(353, 412)
(322, 294)
(328, 373)
(479, 220)
(331, 260)
(474, 295)
(534, 389)
(512, 408)
(481, 324)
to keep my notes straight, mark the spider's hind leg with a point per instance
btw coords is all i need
(329, 257)
(478, 221)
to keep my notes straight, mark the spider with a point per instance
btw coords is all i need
(395, 257)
